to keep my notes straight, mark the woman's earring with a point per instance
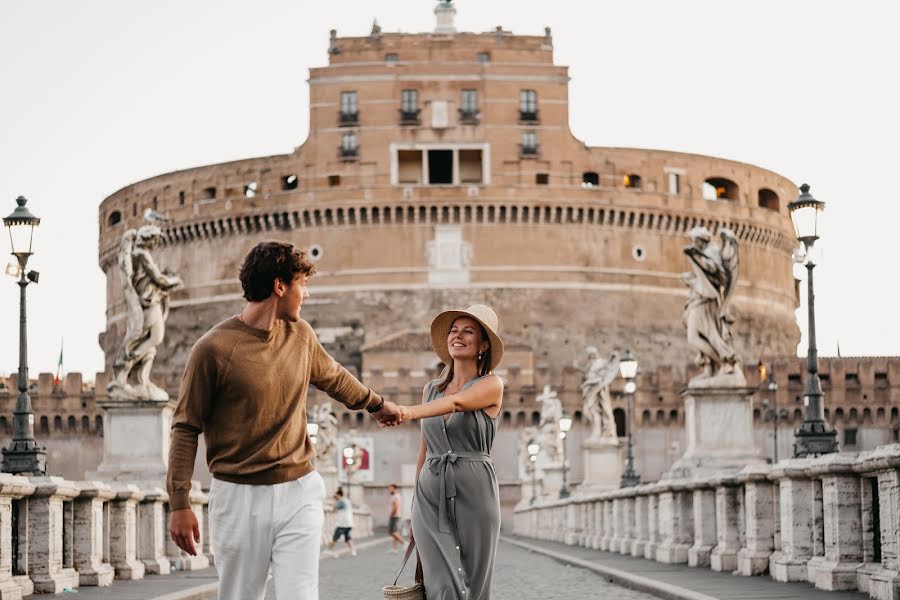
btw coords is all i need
(479, 356)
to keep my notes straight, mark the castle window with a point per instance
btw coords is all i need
(590, 179)
(468, 111)
(768, 199)
(430, 165)
(349, 109)
(470, 166)
(155, 203)
(73, 425)
(250, 189)
(209, 193)
(289, 182)
(134, 209)
(57, 423)
(409, 107)
(484, 57)
(45, 426)
(349, 147)
(391, 57)
(181, 198)
(718, 188)
(85, 424)
(850, 437)
(529, 146)
(334, 180)
(541, 178)
(528, 105)
(632, 181)
(4, 425)
(440, 166)
(409, 166)
(114, 218)
(619, 418)
(98, 425)
(674, 184)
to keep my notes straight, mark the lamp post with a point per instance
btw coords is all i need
(628, 369)
(814, 436)
(533, 450)
(565, 424)
(773, 413)
(23, 455)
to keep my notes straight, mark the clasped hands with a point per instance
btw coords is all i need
(391, 414)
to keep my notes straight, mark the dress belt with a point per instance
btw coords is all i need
(439, 465)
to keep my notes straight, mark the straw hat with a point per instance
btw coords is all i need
(440, 328)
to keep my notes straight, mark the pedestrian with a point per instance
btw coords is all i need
(456, 507)
(397, 541)
(343, 523)
(245, 388)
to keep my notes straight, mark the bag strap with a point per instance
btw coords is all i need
(409, 549)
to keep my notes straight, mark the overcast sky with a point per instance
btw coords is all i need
(96, 95)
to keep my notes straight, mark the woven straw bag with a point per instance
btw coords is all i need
(402, 592)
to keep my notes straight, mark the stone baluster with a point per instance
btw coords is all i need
(90, 534)
(676, 516)
(652, 521)
(843, 521)
(759, 520)
(153, 530)
(13, 491)
(599, 523)
(608, 524)
(795, 508)
(584, 514)
(123, 532)
(641, 535)
(729, 498)
(573, 526)
(45, 535)
(818, 532)
(618, 522)
(884, 463)
(705, 537)
(628, 528)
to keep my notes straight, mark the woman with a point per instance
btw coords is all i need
(456, 509)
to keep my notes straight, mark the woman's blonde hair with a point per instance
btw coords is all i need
(484, 363)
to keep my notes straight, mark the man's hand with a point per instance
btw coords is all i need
(388, 415)
(185, 530)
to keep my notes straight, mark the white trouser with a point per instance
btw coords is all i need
(258, 526)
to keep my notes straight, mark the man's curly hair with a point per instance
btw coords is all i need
(268, 261)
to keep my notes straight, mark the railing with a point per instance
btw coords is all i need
(469, 117)
(410, 117)
(348, 153)
(109, 531)
(347, 119)
(832, 521)
(528, 150)
(528, 116)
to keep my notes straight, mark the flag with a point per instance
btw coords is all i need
(59, 366)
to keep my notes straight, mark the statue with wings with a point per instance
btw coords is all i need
(146, 288)
(713, 276)
(599, 373)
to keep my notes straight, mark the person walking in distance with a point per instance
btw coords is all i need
(245, 388)
(343, 523)
(397, 540)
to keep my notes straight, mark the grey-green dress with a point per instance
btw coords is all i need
(456, 509)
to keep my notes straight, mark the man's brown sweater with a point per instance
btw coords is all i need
(245, 390)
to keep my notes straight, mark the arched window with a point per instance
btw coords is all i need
(632, 181)
(57, 423)
(879, 414)
(756, 415)
(507, 417)
(535, 418)
(85, 424)
(577, 417)
(73, 424)
(660, 417)
(838, 414)
(894, 414)
(854, 415)
(345, 419)
(798, 415)
(719, 188)
(114, 218)
(590, 179)
(619, 417)
(520, 418)
(45, 426)
(645, 417)
(98, 425)
(673, 415)
(768, 199)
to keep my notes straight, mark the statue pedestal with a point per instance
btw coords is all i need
(719, 426)
(602, 465)
(136, 436)
(552, 480)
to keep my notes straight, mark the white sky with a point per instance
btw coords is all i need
(96, 95)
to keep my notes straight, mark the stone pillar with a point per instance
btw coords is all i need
(599, 524)
(90, 534)
(884, 462)
(583, 514)
(843, 521)
(729, 497)
(652, 522)
(618, 522)
(795, 508)
(719, 428)
(45, 535)
(608, 524)
(123, 532)
(704, 505)
(676, 527)
(572, 525)
(602, 466)
(818, 532)
(641, 536)
(154, 529)
(12, 489)
(136, 437)
(759, 519)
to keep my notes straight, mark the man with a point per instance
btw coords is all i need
(397, 540)
(343, 523)
(245, 387)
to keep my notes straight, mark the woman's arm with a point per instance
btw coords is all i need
(487, 393)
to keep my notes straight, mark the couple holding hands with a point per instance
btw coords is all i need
(245, 389)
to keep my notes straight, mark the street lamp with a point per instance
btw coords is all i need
(565, 424)
(23, 455)
(774, 413)
(533, 449)
(628, 369)
(814, 436)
